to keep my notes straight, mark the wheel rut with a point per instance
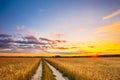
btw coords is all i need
(57, 74)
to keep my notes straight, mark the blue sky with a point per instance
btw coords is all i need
(75, 20)
(43, 14)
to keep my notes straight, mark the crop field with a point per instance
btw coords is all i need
(18, 68)
(60, 68)
(88, 68)
(47, 73)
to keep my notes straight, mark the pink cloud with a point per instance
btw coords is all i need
(116, 13)
(20, 28)
(57, 35)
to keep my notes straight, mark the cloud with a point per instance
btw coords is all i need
(57, 35)
(110, 32)
(44, 39)
(29, 42)
(5, 41)
(20, 28)
(113, 28)
(22, 42)
(49, 41)
(25, 46)
(4, 45)
(4, 35)
(56, 42)
(30, 38)
(62, 48)
(61, 41)
(116, 13)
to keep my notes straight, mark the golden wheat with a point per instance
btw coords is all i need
(88, 68)
(18, 68)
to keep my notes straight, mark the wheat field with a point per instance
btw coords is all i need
(88, 68)
(73, 68)
(18, 68)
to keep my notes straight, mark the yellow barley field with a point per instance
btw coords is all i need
(88, 68)
(18, 68)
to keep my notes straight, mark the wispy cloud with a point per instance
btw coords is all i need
(113, 28)
(20, 28)
(57, 35)
(110, 32)
(117, 12)
(44, 39)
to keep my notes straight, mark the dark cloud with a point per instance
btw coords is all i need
(61, 41)
(46, 46)
(62, 48)
(44, 39)
(30, 42)
(5, 41)
(30, 38)
(5, 36)
(55, 42)
(14, 43)
(52, 41)
(37, 46)
(4, 45)
(25, 46)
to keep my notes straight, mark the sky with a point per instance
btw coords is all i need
(60, 26)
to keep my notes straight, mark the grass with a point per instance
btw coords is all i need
(88, 68)
(18, 68)
(47, 73)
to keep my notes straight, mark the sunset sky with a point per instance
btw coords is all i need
(60, 26)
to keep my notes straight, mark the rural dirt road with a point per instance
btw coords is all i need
(38, 74)
(58, 75)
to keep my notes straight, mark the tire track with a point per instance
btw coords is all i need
(58, 75)
(38, 74)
